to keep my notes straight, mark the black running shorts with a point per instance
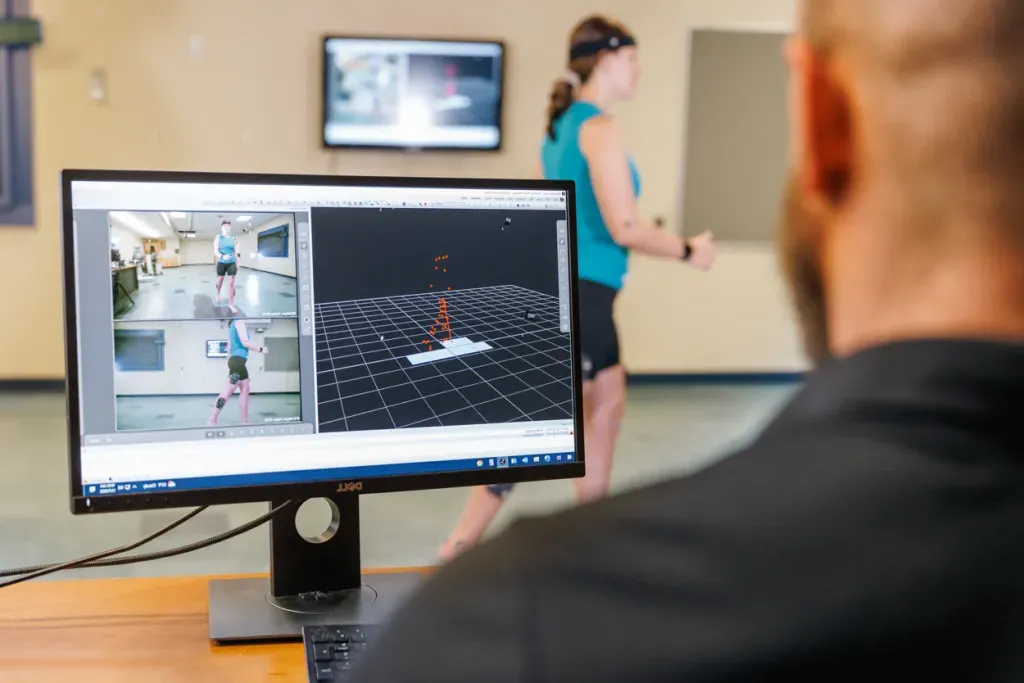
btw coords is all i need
(237, 371)
(228, 269)
(599, 340)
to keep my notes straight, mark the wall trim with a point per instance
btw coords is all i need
(735, 378)
(31, 386)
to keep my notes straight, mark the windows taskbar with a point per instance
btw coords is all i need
(311, 476)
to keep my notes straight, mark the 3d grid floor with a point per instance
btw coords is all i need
(378, 366)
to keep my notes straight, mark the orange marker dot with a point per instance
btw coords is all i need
(449, 289)
(430, 348)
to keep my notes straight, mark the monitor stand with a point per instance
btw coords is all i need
(312, 581)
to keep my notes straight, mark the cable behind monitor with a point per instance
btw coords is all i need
(101, 559)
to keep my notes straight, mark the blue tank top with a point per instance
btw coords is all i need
(600, 259)
(226, 247)
(235, 345)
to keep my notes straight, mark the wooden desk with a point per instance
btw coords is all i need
(129, 631)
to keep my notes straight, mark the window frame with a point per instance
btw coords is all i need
(17, 206)
(283, 230)
(159, 340)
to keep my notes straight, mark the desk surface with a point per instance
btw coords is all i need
(152, 630)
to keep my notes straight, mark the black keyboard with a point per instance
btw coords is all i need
(332, 651)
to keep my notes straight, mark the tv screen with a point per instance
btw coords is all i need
(273, 242)
(216, 348)
(412, 94)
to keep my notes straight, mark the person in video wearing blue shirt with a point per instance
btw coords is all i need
(225, 250)
(583, 143)
(239, 346)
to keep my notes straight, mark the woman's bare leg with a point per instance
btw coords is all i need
(222, 399)
(483, 505)
(604, 403)
(480, 510)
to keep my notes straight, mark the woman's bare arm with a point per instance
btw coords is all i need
(602, 145)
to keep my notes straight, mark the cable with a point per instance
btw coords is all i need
(104, 554)
(100, 559)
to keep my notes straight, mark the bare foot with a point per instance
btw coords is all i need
(233, 309)
(211, 423)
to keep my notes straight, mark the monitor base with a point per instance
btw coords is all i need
(312, 581)
(243, 610)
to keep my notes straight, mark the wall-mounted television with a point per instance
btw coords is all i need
(273, 242)
(217, 348)
(401, 93)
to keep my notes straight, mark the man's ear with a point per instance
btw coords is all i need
(822, 126)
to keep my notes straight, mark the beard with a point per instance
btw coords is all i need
(801, 265)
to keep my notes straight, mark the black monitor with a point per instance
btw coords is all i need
(413, 334)
(411, 93)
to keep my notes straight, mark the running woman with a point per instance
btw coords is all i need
(239, 346)
(225, 250)
(583, 143)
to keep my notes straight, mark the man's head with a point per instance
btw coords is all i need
(907, 169)
(225, 228)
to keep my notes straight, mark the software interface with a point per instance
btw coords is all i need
(237, 335)
(412, 93)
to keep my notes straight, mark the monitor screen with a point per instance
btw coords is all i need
(424, 94)
(391, 330)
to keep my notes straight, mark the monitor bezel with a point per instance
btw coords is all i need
(399, 147)
(82, 504)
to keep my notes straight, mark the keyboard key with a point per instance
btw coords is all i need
(322, 653)
(358, 636)
(340, 635)
(319, 635)
(324, 674)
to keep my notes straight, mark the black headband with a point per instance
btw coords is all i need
(593, 47)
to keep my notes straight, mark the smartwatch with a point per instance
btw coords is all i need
(687, 250)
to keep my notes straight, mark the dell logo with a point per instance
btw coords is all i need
(350, 487)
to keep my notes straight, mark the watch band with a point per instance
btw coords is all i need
(687, 250)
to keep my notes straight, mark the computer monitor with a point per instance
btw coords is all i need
(382, 334)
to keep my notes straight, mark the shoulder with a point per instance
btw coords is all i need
(780, 496)
(599, 132)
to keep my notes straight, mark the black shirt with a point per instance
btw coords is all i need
(875, 528)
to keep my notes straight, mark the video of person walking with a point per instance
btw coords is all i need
(202, 265)
(209, 373)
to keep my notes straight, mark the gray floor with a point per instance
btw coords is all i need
(189, 412)
(189, 292)
(668, 430)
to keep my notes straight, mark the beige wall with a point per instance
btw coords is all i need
(197, 253)
(233, 85)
